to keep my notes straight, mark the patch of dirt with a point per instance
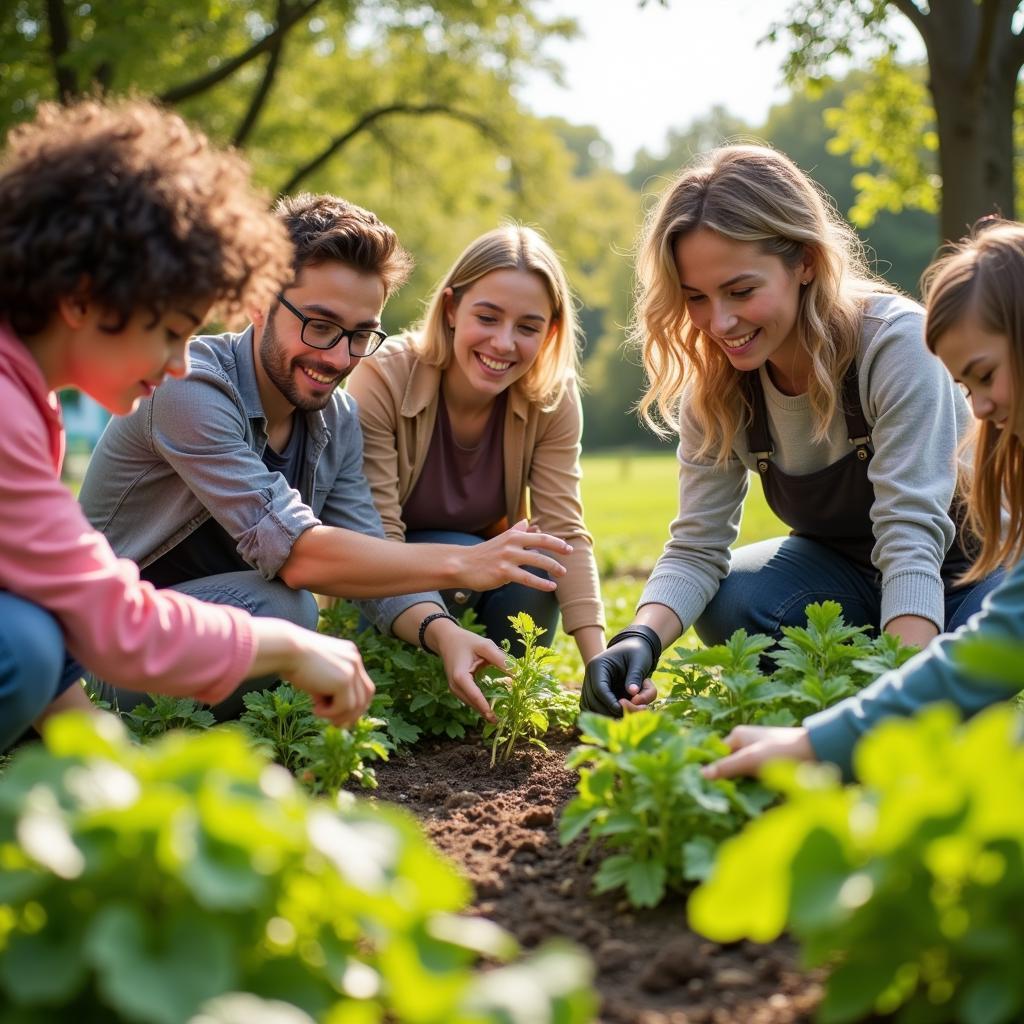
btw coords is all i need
(501, 827)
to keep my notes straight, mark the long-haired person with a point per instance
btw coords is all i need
(777, 353)
(975, 325)
(472, 422)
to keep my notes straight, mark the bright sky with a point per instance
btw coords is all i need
(637, 72)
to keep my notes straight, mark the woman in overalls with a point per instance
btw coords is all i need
(777, 353)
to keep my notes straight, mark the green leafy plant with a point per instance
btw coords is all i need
(140, 883)
(642, 797)
(909, 885)
(147, 721)
(528, 699)
(723, 686)
(413, 697)
(282, 723)
(336, 756)
(815, 667)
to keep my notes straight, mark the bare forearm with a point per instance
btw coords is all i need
(407, 626)
(589, 641)
(343, 563)
(662, 620)
(912, 629)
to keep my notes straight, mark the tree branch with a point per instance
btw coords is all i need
(370, 118)
(914, 14)
(259, 97)
(198, 85)
(67, 84)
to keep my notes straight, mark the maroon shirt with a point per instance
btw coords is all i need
(460, 489)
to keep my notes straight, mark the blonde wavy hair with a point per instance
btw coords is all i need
(749, 194)
(982, 277)
(510, 247)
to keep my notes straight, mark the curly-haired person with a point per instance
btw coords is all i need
(121, 230)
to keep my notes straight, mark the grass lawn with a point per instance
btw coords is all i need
(630, 499)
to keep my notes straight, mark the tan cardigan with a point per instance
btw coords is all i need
(397, 397)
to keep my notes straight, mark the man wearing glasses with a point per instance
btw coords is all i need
(243, 483)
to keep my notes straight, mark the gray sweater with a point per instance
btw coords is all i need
(917, 416)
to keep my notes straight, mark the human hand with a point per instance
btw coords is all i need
(505, 558)
(331, 671)
(618, 680)
(753, 746)
(463, 653)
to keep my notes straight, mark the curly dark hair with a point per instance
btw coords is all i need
(126, 200)
(326, 227)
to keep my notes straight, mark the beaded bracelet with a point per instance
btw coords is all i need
(426, 622)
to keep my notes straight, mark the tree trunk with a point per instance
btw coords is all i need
(975, 148)
(973, 64)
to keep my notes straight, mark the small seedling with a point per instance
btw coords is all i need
(528, 699)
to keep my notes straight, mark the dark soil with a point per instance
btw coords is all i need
(501, 827)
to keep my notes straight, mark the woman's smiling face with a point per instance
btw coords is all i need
(740, 298)
(499, 324)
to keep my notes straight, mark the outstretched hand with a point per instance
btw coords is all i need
(508, 558)
(753, 746)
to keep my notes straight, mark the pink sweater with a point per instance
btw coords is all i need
(115, 624)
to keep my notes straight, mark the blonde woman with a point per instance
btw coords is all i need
(975, 299)
(472, 423)
(777, 353)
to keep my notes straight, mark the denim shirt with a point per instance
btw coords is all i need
(194, 449)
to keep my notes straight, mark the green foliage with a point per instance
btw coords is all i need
(528, 699)
(282, 724)
(816, 666)
(888, 128)
(910, 884)
(993, 659)
(641, 795)
(147, 721)
(141, 882)
(413, 697)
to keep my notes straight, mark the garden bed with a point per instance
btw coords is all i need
(500, 826)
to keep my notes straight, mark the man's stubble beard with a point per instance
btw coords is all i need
(280, 372)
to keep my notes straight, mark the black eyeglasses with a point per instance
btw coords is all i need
(322, 334)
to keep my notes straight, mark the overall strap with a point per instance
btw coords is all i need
(857, 429)
(759, 439)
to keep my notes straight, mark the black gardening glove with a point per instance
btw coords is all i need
(631, 657)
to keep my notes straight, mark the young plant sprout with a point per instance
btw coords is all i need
(529, 698)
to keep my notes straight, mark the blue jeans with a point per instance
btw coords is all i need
(249, 591)
(493, 607)
(770, 583)
(35, 667)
